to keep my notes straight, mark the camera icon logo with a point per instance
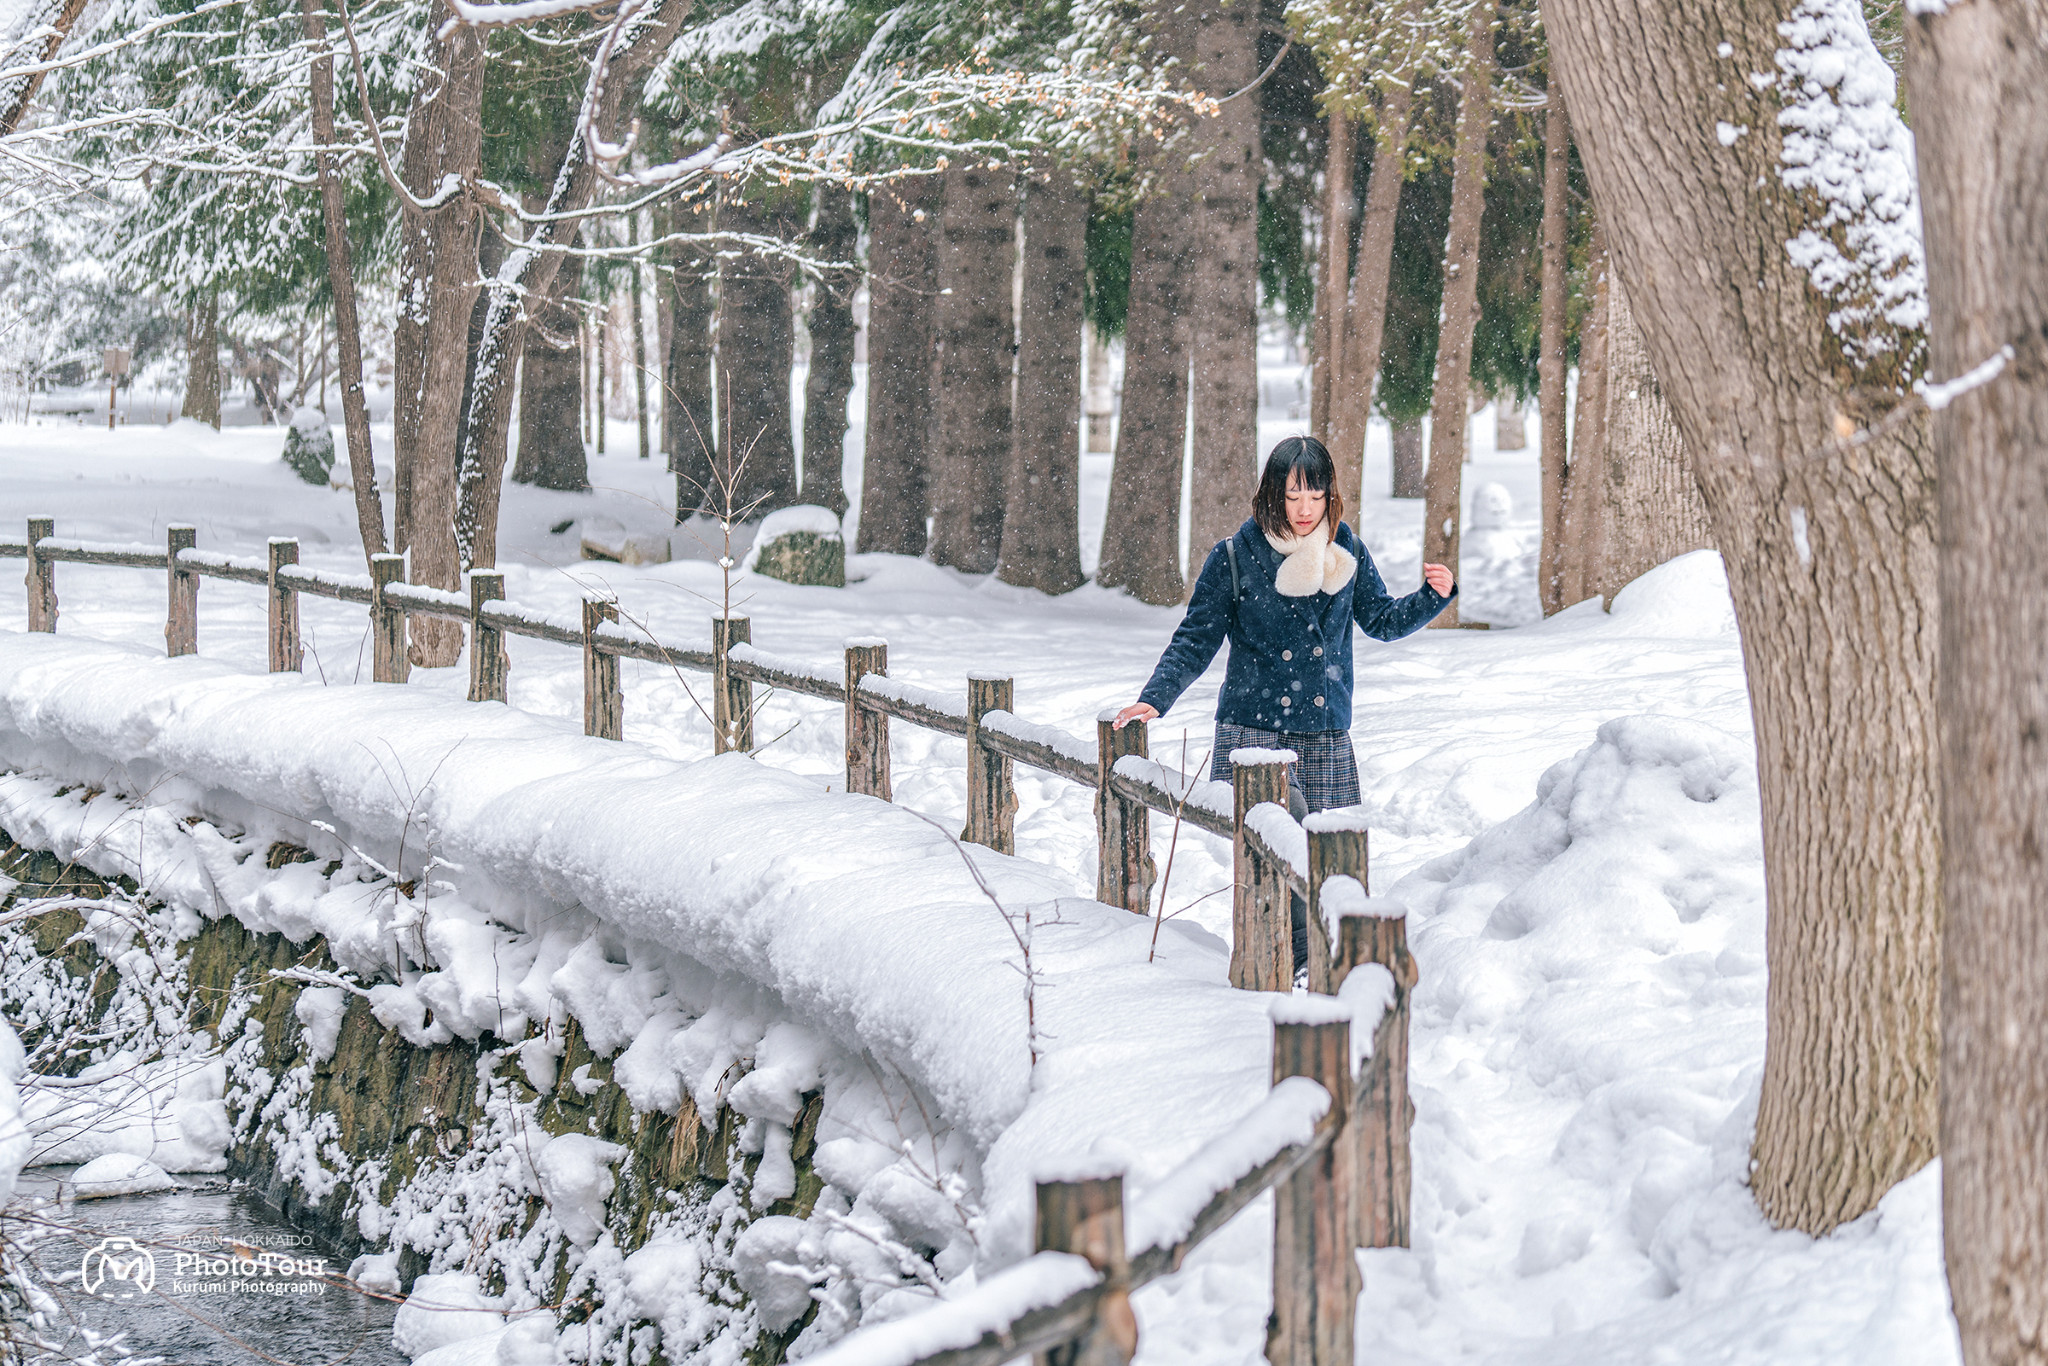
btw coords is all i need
(118, 1269)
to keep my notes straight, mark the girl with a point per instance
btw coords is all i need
(1285, 590)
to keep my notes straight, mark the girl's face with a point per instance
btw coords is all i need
(1305, 506)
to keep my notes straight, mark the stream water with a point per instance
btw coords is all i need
(191, 1284)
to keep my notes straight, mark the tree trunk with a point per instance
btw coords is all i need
(1229, 165)
(1365, 321)
(1830, 561)
(1333, 293)
(1409, 460)
(1041, 506)
(1448, 406)
(1584, 538)
(18, 92)
(692, 441)
(1978, 79)
(903, 290)
(756, 331)
(1652, 508)
(430, 348)
(551, 450)
(834, 237)
(202, 361)
(637, 302)
(971, 408)
(1552, 368)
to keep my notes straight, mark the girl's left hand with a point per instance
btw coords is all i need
(1439, 578)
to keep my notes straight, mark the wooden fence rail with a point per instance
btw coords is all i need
(1332, 1146)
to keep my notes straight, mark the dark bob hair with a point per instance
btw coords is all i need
(1318, 472)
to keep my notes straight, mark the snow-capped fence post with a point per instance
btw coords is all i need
(388, 663)
(1262, 938)
(1315, 1274)
(867, 730)
(487, 663)
(604, 707)
(286, 654)
(732, 699)
(1384, 1113)
(42, 578)
(181, 624)
(1086, 1217)
(991, 795)
(1123, 828)
(1331, 853)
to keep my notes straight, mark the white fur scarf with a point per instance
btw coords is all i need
(1313, 564)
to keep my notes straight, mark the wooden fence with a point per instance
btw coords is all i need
(1331, 1140)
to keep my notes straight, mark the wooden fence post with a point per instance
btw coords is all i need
(1086, 1217)
(732, 699)
(1315, 1269)
(991, 794)
(181, 623)
(604, 707)
(286, 653)
(487, 662)
(1336, 848)
(1262, 932)
(867, 730)
(1123, 829)
(42, 578)
(388, 662)
(1385, 1113)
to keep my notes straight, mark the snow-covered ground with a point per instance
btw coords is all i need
(1589, 1022)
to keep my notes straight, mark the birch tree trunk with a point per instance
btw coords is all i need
(1228, 165)
(971, 400)
(202, 361)
(1365, 321)
(1042, 505)
(903, 289)
(1978, 79)
(834, 237)
(1448, 408)
(1551, 368)
(1830, 560)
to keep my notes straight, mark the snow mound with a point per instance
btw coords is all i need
(119, 1174)
(444, 1310)
(1686, 598)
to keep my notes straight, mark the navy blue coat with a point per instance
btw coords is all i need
(1290, 658)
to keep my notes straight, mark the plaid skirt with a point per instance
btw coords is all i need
(1325, 770)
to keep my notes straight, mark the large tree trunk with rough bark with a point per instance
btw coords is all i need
(686, 387)
(756, 334)
(1333, 287)
(202, 361)
(1977, 76)
(903, 290)
(437, 287)
(1830, 557)
(834, 237)
(551, 451)
(1041, 507)
(971, 403)
(1365, 320)
(1551, 365)
(1448, 407)
(1651, 501)
(1228, 165)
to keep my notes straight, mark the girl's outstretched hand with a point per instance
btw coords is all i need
(1137, 711)
(1439, 578)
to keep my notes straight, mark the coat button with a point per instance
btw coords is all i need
(1286, 701)
(1287, 654)
(1319, 652)
(1319, 701)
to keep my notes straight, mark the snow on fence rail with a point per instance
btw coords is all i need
(1331, 1140)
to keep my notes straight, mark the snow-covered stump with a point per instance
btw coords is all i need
(1262, 937)
(1086, 1217)
(388, 663)
(732, 697)
(1123, 831)
(867, 730)
(991, 791)
(487, 662)
(1374, 931)
(1315, 1274)
(181, 621)
(42, 577)
(604, 705)
(1333, 851)
(287, 655)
